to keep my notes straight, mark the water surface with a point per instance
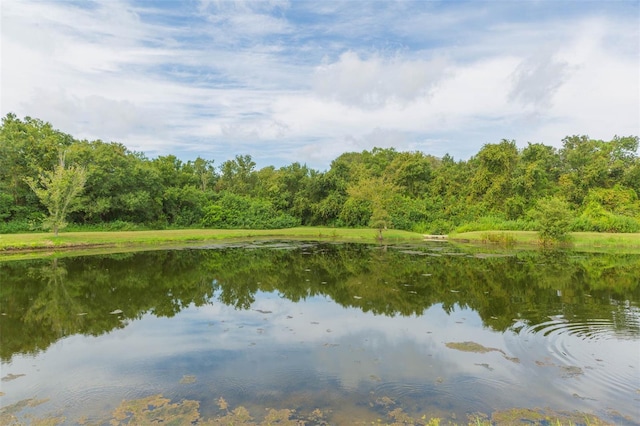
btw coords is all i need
(350, 332)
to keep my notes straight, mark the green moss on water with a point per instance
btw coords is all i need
(515, 416)
(156, 409)
(478, 348)
(471, 347)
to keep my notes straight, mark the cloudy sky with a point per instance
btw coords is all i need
(305, 81)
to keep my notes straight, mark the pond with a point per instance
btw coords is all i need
(281, 332)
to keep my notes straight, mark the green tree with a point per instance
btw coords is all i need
(589, 163)
(58, 190)
(238, 175)
(535, 176)
(204, 171)
(380, 194)
(121, 185)
(492, 182)
(411, 171)
(26, 148)
(554, 218)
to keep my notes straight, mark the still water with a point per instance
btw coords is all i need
(325, 333)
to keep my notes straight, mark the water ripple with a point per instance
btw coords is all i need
(576, 356)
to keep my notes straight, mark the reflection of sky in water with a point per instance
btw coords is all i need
(317, 353)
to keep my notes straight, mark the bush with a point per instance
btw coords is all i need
(116, 225)
(233, 211)
(19, 226)
(596, 219)
(554, 219)
(493, 223)
(503, 238)
(355, 212)
(439, 227)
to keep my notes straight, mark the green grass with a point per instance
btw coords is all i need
(582, 240)
(36, 245)
(44, 241)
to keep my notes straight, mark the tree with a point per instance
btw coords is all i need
(58, 190)
(238, 175)
(554, 217)
(411, 172)
(492, 182)
(380, 194)
(26, 147)
(204, 171)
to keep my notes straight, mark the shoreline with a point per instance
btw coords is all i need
(12, 245)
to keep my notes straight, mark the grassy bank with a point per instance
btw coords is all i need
(582, 240)
(112, 241)
(76, 240)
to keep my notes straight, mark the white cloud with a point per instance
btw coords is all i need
(373, 82)
(279, 80)
(537, 78)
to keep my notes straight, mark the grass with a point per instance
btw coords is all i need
(582, 240)
(77, 240)
(19, 245)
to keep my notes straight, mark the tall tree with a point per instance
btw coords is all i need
(238, 175)
(58, 190)
(492, 182)
(26, 148)
(380, 194)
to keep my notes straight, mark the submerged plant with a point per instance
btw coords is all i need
(158, 410)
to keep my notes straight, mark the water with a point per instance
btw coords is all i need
(340, 333)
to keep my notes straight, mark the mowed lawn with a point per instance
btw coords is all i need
(11, 243)
(125, 238)
(577, 239)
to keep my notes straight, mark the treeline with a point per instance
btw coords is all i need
(501, 187)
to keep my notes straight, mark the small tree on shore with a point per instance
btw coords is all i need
(58, 191)
(554, 217)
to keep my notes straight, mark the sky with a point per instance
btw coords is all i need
(305, 81)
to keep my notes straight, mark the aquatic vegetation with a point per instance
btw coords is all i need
(478, 348)
(156, 409)
(471, 347)
(10, 377)
(12, 415)
(544, 417)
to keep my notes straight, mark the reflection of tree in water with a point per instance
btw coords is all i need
(54, 308)
(45, 300)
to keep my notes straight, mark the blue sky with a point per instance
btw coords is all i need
(305, 81)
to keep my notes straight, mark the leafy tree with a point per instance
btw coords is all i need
(589, 163)
(26, 148)
(204, 171)
(380, 194)
(58, 190)
(183, 206)
(381, 187)
(554, 217)
(6, 202)
(121, 185)
(238, 175)
(492, 182)
(412, 172)
(242, 212)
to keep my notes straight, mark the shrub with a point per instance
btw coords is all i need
(554, 219)
(233, 211)
(18, 226)
(595, 218)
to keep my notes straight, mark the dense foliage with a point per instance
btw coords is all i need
(588, 185)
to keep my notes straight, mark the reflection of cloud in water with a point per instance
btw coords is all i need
(279, 349)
